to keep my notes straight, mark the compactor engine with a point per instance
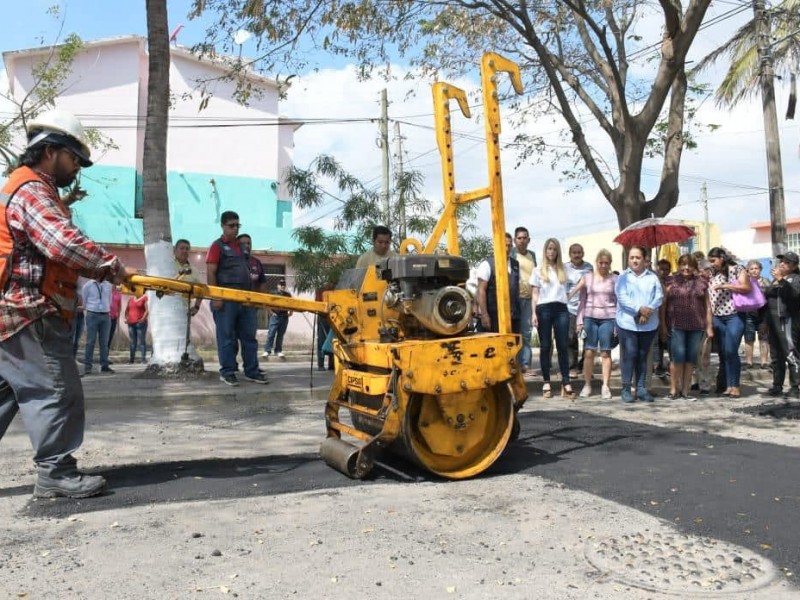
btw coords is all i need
(428, 290)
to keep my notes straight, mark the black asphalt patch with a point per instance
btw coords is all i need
(743, 492)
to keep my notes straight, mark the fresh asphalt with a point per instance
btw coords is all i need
(744, 492)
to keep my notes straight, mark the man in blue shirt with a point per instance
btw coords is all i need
(96, 305)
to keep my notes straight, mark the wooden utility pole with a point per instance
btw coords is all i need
(401, 204)
(706, 228)
(384, 145)
(777, 208)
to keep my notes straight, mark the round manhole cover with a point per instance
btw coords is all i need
(679, 564)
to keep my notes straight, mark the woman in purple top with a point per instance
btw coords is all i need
(596, 322)
(687, 312)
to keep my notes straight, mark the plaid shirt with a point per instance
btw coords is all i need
(40, 232)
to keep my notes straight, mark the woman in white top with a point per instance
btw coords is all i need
(550, 315)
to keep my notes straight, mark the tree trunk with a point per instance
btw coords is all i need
(168, 315)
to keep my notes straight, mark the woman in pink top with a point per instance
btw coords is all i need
(595, 322)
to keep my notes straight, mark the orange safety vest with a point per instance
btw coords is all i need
(60, 283)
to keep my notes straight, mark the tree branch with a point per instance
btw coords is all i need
(667, 196)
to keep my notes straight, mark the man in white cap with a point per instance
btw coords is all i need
(41, 255)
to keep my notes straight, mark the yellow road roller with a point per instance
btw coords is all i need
(409, 374)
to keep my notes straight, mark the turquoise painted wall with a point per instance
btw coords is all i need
(108, 213)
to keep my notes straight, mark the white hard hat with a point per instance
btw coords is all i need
(60, 128)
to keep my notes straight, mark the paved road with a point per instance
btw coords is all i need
(744, 492)
(730, 489)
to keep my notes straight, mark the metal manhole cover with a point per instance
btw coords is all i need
(674, 563)
(782, 410)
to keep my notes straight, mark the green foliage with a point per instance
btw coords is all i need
(50, 74)
(323, 255)
(575, 58)
(321, 258)
(741, 80)
(476, 248)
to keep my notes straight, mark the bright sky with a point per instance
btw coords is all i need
(731, 162)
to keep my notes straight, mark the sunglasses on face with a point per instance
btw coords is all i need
(74, 157)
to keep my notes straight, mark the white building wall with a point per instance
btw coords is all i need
(108, 90)
(747, 244)
(231, 139)
(285, 157)
(103, 91)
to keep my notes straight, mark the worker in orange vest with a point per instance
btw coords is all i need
(41, 255)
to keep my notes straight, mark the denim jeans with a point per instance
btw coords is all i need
(599, 333)
(729, 331)
(138, 334)
(112, 331)
(236, 326)
(98, 325)
(634, 347)
(322, 332)
(77, 331)
(553, 319)
(684, 344)
(277, 329)
(524, 356)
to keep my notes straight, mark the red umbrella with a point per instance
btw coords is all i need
(654, 232)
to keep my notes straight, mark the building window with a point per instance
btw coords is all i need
(793, 241)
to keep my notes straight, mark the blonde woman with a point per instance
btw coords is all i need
(550, 315)
(597, 310)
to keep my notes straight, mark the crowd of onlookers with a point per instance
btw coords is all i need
(706, 306)
(229, 263)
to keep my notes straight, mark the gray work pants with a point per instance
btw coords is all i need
(39, 378)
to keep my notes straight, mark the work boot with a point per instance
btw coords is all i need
(72, 486)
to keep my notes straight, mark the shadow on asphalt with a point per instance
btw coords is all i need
(201, 480)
